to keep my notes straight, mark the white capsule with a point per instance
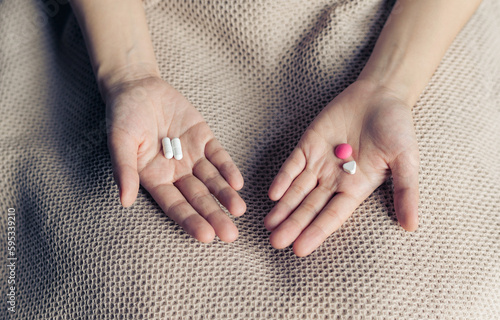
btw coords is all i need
(167, 148)
(176, 146)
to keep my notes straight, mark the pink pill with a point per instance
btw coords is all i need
(343, 151)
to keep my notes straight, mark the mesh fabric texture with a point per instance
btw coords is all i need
(259, 72)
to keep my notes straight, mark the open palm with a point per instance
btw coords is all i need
(316, 196)
(140, 114)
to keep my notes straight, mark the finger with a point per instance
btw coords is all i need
(292, 167)
(291, 228)
(178, 209)
(123, 151)
(218, 186)
(299, 189)
(219, 157)
(202, 201)
(406, 194)
(329, 220)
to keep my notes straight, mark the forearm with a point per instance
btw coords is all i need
(413, 42)
(117, 39)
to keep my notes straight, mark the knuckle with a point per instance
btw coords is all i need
(199, 198)
(296, 223)
(228, 167)
(309, 207)
(300, 190)
(212, 178)
(334, 218)
(176, 206)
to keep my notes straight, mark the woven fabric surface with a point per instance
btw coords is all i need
(259, 72)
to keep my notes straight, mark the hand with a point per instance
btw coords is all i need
(316, 196)
(140, 113)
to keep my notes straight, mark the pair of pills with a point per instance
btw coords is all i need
(172, 148)
(344, 151)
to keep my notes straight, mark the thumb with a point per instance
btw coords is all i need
(123, 151)
(406, 194)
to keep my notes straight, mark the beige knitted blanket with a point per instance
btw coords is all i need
(259, 72)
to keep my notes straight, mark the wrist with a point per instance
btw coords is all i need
(412, 44)
(118, 41)
(391, 75)
(374, 89)
(109, 79)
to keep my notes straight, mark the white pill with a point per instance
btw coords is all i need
(176, 146)
(350, 167)
(167, 148)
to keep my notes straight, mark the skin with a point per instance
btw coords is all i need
(140, 108)
(374, 116)
(141, 112)
(315, 196)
